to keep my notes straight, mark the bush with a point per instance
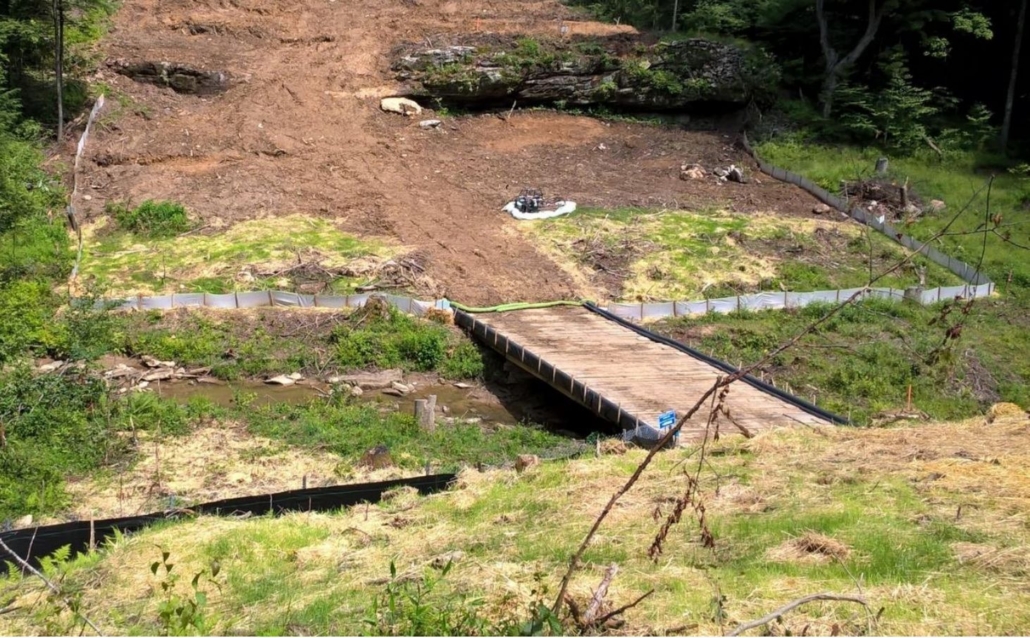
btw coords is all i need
(53, 425)
(385, 338)
(465, 361)
(155, 219)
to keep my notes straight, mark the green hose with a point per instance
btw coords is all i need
(515, 306)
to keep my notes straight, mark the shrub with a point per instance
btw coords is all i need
(465, 361)
(27, 319)
(385, 338)
(155, 219)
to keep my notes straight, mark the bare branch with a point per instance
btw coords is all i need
(26, 566)
(598, 598)
(612, 614)
(764, 620)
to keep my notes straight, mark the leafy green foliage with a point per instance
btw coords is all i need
(51, 427)
(894, 115)
(387, 338)
(183, 615)
(424, 606)
(155, 219)
(464, 361)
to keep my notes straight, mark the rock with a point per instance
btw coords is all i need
(525, 461)
(210, 381)
(180, 78)
(668, 76)
(734, 174)
(161, 374)
(393, 393)
(47, 368)
(369, 380)
(282, 379)
(400, 387)
(142, 385)
(376, 458)
(24, 521)
(296, 376)
(721, 173)
(443, 560)
(462, 386)
(119, 371)
(151, 362)
(822, 209)
(356, 390)
(445, 409)
(401, 105)
(428, 124)
(912, 210)
(937, 206)
(692, 171)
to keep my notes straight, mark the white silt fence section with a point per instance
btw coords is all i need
(631, 311)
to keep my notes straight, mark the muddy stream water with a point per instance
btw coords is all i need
(460, 403)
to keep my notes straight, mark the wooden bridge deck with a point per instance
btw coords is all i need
(623, 373)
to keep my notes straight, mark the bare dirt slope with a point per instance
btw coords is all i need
(300, 131)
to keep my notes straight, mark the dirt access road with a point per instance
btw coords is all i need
(300, 131)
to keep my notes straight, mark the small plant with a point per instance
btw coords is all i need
(155, 219)
(464, 362)
(181, 615)
(414, 607)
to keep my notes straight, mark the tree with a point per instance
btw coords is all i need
(836, 65)
(58, 11)
(1010, 97)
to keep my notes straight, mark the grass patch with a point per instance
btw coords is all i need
(151, 219)
(349, 429)
(641, 255)
(508, 537)
(862, 362)
(380, 336)
(259, 249)
(960, 181)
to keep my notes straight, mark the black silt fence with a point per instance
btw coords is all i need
(37, 542)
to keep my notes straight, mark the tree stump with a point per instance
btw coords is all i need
(881, 166)
(425, 413)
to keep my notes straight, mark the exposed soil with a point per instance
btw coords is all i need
(299, 131)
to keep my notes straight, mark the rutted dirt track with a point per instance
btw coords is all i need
(299, 131)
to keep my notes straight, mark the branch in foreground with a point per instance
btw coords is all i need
(50, 585)
(765, 620)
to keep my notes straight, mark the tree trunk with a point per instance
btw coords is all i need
(835, 64)
(59, 63)
(1010, 98)
(675, 13)
(829, 88)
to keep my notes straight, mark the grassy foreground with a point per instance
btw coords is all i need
(930, 524)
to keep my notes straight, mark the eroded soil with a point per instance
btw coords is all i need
(299, 131)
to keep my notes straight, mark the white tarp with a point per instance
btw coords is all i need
(563, 208)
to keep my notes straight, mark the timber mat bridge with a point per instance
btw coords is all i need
(627, 374)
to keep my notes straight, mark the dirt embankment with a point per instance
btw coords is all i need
(298, 130)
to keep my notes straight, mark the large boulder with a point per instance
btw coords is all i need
(180, 78)
(664, 76)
